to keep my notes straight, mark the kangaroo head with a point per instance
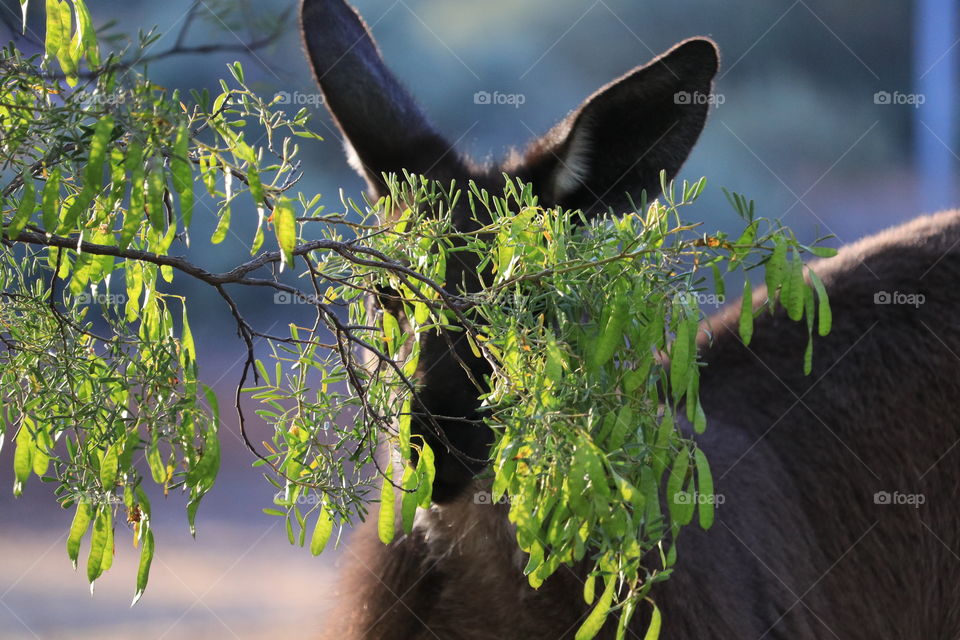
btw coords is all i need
(605, 153)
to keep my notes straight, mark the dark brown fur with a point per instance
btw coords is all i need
(800, 548)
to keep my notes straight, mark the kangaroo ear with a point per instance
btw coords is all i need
(384, 130)
(620, 139)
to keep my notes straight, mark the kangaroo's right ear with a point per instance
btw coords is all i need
(384, 129)
(616, 144)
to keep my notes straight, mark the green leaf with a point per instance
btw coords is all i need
(661, 453)
(589, 588)
(156, 184)
(681, 356)
(102, 523)
(28, 204)
(391, 335)
(705, 504)
(133, 216)
(107, 559)
(181, 171)
(746, 313)
(321, 531)
(89, 38)
(409, 500)
(143, 571)
(718, 284)
(65, 54)
(81, 521)
(93, 173)
(157, 469)
(776, 267)
(50, 200)
(237, 70)
(186, 339)
(699, 417)
(223, 225)
(611, 334)
(426, 471)
(653, 631)
(285, 226)
(747, 238)
(256, 187)
(623, 623)
(385, 521)
(594, 622)
(55, 35)
(108, 468)
(577, 481)
(680, 504)
(203, 474)
(822, 252)
(624, 424)
(42, 446)
(824, 315)
(22, 459)
(795, 289)
(258, 236)
(593, 463)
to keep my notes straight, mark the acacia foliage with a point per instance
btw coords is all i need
(102, 392)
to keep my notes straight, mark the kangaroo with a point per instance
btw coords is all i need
(839, 516)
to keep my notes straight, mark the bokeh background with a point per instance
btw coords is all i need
(835, 115)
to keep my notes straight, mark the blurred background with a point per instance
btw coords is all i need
(835, 115)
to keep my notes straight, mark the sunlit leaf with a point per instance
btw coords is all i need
(285, 226)
(385, 520)
(81, 522)
(143, 571)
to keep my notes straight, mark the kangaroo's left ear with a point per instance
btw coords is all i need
(384, 129)
(620, 139)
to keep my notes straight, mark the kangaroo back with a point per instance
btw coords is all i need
(838, 514)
